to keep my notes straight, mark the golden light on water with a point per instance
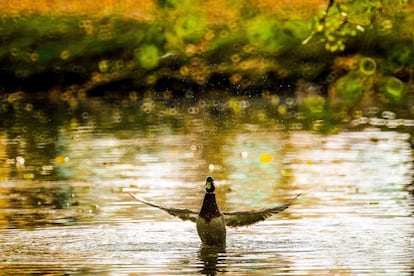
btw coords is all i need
(166, 93)
(353, 201)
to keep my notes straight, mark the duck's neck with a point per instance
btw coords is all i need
(209, 209)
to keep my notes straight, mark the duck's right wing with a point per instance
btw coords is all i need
(244, 218)
(184, 214)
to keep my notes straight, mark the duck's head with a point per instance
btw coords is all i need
(210, 185)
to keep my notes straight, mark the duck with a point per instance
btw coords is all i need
(210, 222)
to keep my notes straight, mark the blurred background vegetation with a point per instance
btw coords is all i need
(334, 58)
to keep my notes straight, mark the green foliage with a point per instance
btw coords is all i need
(263, 33)
(190, 27)
(341, 22)
(269, 35)
(402, 54)
(394, 89)
(313, 107)
(148, 56)
(254, 50)
(350, 88)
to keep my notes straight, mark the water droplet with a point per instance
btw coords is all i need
(282, 109)
(85, 115)
(29, 107)
(28, 176)
(388, 115)
(193, 110)
(235, 58)
(265, 158)
(367, 66)
(61, 159)
(103, 66)
(65, 54)
(394, 87)
(20, 161)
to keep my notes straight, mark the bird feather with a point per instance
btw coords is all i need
(232, 219)
(244, 218)
(184, 214)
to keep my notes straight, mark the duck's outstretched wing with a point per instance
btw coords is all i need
(184, 214)
(236, 219)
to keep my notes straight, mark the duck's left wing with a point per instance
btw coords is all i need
(184, 214)
(243, 218)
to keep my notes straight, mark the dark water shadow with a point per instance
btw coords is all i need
(212, 259)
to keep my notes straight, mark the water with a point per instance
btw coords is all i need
(65, 207)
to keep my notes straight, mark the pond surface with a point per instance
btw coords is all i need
(65, 208)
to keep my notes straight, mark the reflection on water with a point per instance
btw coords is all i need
(212, 259)
(64, 207)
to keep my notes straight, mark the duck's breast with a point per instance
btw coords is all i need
(213, 231)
